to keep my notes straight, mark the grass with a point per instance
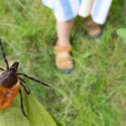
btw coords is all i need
(94, 93)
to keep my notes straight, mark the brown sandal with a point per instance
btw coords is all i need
(94, 30)
(63, 58)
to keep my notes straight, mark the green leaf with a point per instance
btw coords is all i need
(37, 114)
(13, 117)
(122, 34)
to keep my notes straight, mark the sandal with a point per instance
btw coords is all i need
(94, 30)
(63, 58)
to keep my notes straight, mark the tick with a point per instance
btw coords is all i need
(11, 82)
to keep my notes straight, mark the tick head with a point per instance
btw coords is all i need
(14, 66)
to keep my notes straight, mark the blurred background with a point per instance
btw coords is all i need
(94, 94)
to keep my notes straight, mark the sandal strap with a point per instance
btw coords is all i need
(62, 62)
(64, 58)
(67, 48)
(91, 24)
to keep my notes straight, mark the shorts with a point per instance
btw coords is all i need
(66, 10)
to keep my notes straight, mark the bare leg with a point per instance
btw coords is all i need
(63, 32)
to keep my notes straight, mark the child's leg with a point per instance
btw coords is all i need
(63, 47)
(63, 32)
(65, 11)
(99, 12)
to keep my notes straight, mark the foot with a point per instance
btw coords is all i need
(63, 58)
(94, 30)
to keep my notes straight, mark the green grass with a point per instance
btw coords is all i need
(94, 93)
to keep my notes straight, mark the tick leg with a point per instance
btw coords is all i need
(25, 88)
(23, 85)
(33, 79)
(4, 56)
(22, 80)
(2, 69)
(22, 105)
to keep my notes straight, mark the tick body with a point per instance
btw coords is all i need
(11, 82)
(9, 86)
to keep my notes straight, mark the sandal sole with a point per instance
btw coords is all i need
(65, 70)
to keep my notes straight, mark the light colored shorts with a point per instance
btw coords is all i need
(65, 10)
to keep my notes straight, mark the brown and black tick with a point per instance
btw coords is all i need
(11, 82)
